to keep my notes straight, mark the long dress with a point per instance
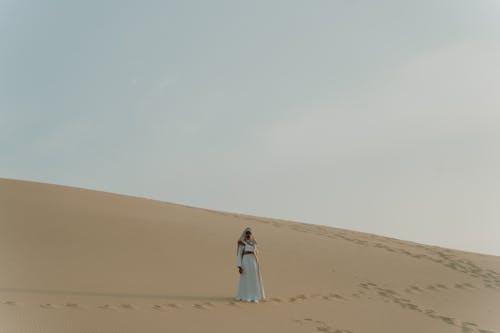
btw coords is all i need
(250, 286)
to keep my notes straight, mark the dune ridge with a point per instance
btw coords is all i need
(77, 260)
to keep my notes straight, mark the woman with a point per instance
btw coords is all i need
(250, 287)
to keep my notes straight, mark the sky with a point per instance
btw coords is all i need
(376, 116)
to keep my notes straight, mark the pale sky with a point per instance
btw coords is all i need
(377, 116)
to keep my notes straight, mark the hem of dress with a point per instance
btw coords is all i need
(247, 299)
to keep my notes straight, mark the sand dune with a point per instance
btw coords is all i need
(76, 260)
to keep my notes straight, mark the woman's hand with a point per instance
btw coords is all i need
(240, 269)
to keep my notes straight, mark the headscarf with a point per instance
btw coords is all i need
(243, 238)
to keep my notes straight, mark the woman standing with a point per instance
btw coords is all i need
(250, 287)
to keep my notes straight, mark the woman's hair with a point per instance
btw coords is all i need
(243, 237)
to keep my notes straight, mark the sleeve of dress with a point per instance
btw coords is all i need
(240, 252)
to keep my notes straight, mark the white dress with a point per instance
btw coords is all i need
(250, 287)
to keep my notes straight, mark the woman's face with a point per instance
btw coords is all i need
(248, 234)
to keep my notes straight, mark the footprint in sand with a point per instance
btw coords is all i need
(73, 305)
(158, 307)
(468, 327)
(449, 320)
(296, 298)
(333, 296)
(436, 287)
(48, 306)
(174, 306)
(432, 287)
(204, 306)
(209, 304)
(386, 292)
(364, 285)
(430, 313)
(408, 305)
(107, 307)
(460, 286)
(165, 307)
(12, 303)
(409, 291)
(329, 329)
(127, 306)
(275, 300)
(321, 326)
(336, 296)
(416, 289)
(469, 286)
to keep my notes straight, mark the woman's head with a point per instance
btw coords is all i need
(246, 235)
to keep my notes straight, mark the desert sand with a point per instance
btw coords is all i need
(77, 260)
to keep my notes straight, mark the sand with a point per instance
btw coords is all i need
(76, 260)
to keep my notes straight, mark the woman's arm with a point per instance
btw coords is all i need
(256, 251)
(240, 252)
